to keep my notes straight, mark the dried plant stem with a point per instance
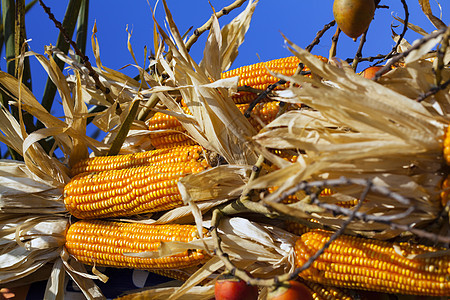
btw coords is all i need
(440, 56)
(358, 54)
(334, 40)
(124, 129)
(262, 96)
(402, 35)
(369, 59)
(319, 34)
(399, 56)
(84, 59)
(249, 89)
(433, 91)
(146, 112)
(199, 31)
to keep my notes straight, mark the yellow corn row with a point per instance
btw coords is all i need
(258, 77)
(296, 228)
(446, 145)
(107, 243)
(321, 292)
(359, 263)
(325, 192)
(171, 140)
(445, 190)
(132, 190)
(153, 157)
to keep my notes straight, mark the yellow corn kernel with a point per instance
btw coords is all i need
(257, 75)
(153, 157)
(360, 263)
(445, 190)
(127, 192)
(322, 292)
(106, 243)
(171, 139)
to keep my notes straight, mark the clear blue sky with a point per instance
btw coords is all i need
(299, 20)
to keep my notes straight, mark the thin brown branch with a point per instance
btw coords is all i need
(440, 56)
(269, 89)
(369, 58)
(319, 35)
(433, 91)
(383, 191)
(199, 31)
(262, 96)
(358, 54)
(334, 40)
(402, 35)
(84, 59)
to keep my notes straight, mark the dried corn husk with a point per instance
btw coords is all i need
(363, 129)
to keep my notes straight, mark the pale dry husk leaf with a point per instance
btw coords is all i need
(363, 129)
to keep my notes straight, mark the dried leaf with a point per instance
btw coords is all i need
(426, 8)
(233, 35)
(423, 49)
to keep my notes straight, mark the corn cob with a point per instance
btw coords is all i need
(359, 263)
(325, 192)
(446, 145)
(321, 292)
(296, 228)
(258, 77)
(154, 157)
(171, 140)
(129, 191)
(105, 243)
(445, 190)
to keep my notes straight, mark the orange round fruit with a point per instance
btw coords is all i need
(370, 72)
(353, 16)
(234, 289)
(292, 290)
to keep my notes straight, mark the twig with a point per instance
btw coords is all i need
(440, 56)
(369, 59)
(84, 59)
(249, 89)
(383, 191)
(269, 89)
(334, 40)
(402, 35)
(433, 91)
(199, 31)
(358, 54)
(262, 96)
(399, 56)
(319, 34)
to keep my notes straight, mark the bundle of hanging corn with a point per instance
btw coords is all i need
(151, 209)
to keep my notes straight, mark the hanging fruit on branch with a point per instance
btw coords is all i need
(353, 16)
(289, 291)
(228, 287)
